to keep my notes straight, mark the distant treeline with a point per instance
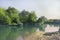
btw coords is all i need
(12, 16)
(53, 21)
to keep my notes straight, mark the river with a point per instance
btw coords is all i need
(19, 33)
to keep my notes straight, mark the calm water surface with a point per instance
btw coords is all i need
(18, 33)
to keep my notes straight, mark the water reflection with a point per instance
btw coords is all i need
(52, 28)
(12, 32)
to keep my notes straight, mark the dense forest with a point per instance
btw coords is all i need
(11, 16)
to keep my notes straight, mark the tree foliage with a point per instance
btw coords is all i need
(24, 15)
(42, 19)
(32, 17)
(4, 19)
(13, 16)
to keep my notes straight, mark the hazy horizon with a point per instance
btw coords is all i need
(47, 8)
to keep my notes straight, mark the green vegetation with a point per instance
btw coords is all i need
(4, 18)
(12, 16)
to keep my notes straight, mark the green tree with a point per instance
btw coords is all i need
(42, 19)
(4, 19)
(32, 17)
(24, 15)
(14, 15)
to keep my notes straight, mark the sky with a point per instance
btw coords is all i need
(47, 8)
